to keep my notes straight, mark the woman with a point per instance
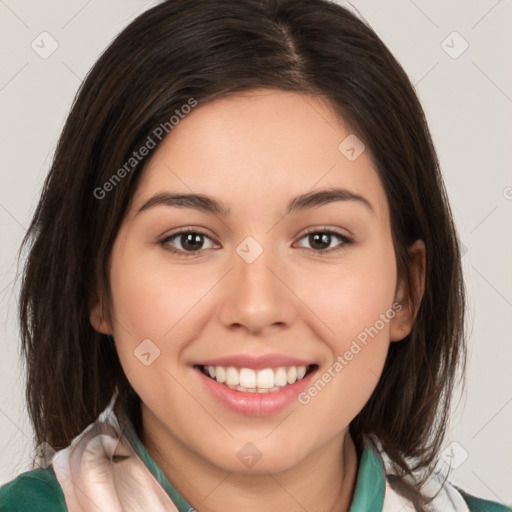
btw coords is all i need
(243, 290)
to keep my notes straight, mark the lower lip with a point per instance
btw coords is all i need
(256, 404)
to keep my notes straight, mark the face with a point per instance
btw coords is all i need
(292, 309)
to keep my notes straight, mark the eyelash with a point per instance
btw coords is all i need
(187, 254)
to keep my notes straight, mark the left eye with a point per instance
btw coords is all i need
(320, 240)
(192, 242)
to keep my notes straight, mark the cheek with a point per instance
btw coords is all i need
(145, 307)
(149, 304)
(353, 296)
(150, 300)
(155, 302)
(355, 300)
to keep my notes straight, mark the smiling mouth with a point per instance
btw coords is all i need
(264, 380)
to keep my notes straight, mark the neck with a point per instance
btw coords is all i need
(324, 481)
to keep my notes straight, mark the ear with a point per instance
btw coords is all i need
(402, 323)
(99, 317)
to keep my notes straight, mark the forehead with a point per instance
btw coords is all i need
(257, 149)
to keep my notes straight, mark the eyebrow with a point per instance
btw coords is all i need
(208, 204)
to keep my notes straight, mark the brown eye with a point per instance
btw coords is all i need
(321, 240)
(186, 243)
(191, 241)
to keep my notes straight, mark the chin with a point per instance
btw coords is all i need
(256, 458)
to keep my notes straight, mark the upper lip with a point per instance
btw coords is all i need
(255, 362)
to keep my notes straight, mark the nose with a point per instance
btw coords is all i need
(258, 296)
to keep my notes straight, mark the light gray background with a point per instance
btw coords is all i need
(468, 103)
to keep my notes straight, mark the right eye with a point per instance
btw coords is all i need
(191, 242)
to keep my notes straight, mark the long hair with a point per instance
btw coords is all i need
(207, 49)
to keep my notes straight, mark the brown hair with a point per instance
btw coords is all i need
(206, 49)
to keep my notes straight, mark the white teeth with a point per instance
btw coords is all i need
(256, 381)
(220, 374)
(247, 378)
(265, 379)
(301, 371)
(232, 376)
(280, 377)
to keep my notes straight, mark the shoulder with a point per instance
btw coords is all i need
(452, 497)
(480, 505)
(445, 496)
(36, 486)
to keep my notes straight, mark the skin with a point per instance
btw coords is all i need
(255, 151)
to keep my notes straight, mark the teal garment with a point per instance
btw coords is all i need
(39, 490)
(479, 505)
(33, 490)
